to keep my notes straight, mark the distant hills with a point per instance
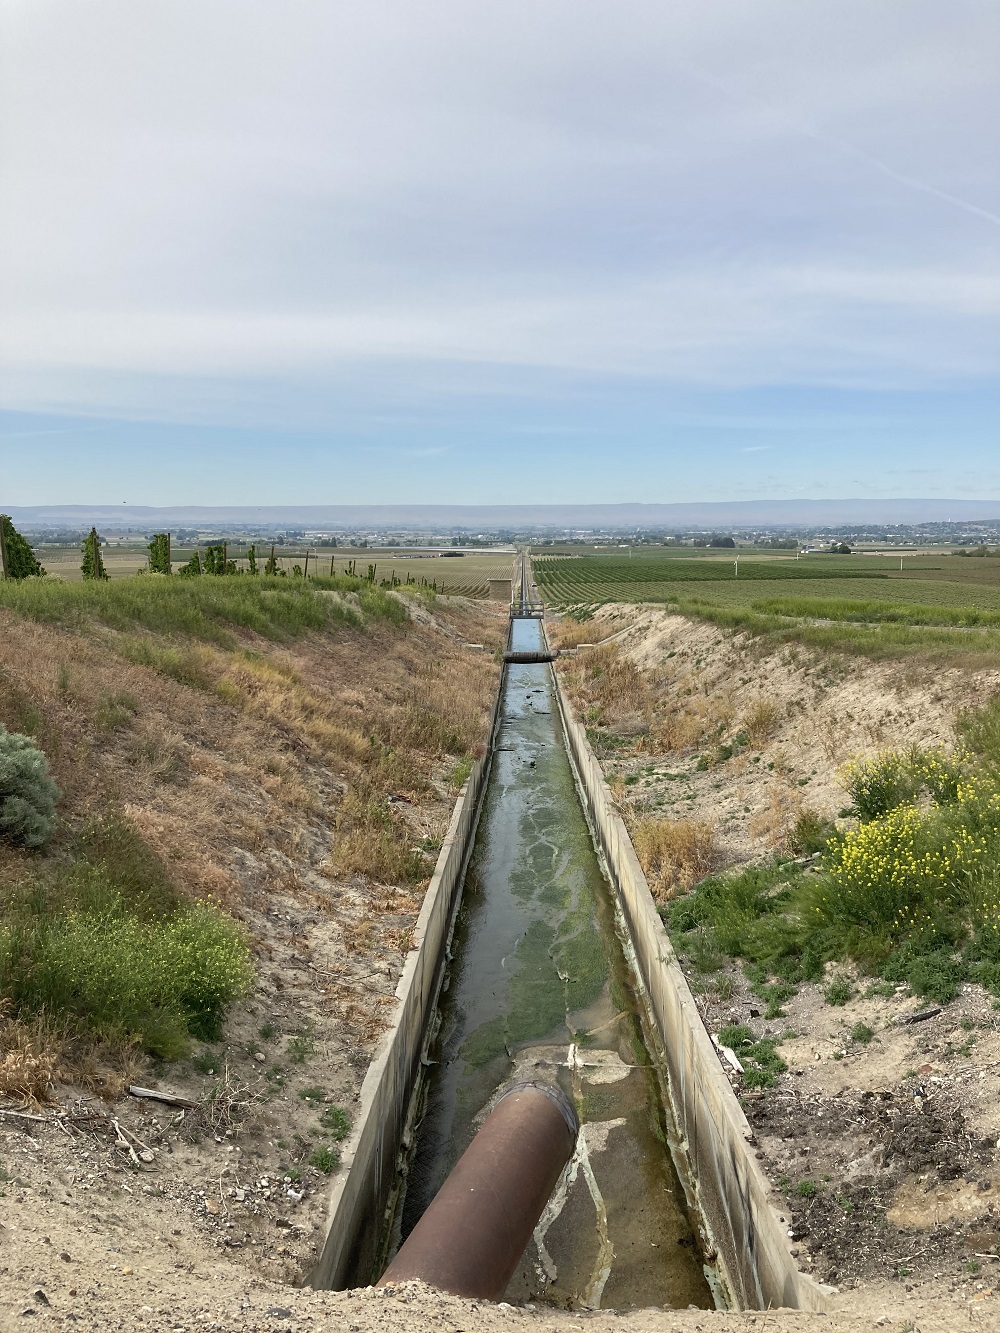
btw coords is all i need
(521, 517)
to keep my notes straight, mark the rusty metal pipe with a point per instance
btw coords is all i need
(472, 1235)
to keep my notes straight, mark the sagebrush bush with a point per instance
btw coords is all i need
(28, 795)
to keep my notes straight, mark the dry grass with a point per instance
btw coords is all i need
(675, 853)
(611, 685)
(273, 769)
(683, 723)
(30, 1057)
(774, 823)
(761, 721)
(570, 633)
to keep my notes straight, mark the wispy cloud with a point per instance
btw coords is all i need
(407, 207)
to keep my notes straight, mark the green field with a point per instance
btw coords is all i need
(465, 575)
(936, 603)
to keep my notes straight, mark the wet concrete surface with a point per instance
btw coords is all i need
(538, 987)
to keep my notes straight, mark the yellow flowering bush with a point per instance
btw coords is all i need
(897, 872)
(879, 783)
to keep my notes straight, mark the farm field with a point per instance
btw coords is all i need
(866, 604)
(466, 575)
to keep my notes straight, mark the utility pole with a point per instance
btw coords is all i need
(305, 572)
(736, 562)
(170, 568)
(4, 570)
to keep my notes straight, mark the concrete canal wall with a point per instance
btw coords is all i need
(368, 1173)
(744, 1217)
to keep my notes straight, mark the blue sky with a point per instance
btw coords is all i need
(334, 253)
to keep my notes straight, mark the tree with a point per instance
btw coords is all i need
(19, 559)
(215, 560)
(159, 553)
(93, 563)
(252, 559)
(193, 567)
(727, 542)
(271, 568)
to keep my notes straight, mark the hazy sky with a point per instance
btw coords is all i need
(316, 251)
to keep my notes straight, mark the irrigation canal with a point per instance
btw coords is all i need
(538, 987)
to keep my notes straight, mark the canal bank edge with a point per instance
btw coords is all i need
(370, 1156)
(732, 1193)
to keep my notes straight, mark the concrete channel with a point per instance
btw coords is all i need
(551, 963)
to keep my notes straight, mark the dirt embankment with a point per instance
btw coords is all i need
(255, 787)
(711, 729)
(883, 1134)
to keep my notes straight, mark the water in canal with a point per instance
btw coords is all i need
(539, 988)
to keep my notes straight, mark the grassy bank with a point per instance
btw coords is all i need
(102, 943)
(213, 740)
(909, 894)
(206, 609)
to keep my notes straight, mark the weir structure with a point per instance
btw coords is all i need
(739, 1226)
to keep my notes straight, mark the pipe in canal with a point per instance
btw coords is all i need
(472, 1236)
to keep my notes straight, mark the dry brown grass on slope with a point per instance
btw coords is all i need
(569, 633)
(609, 685)
(280, 770)
(674, 853)
(667, 710)
(760, 722)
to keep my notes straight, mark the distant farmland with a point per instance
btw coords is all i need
(937, 603)
(466, 575)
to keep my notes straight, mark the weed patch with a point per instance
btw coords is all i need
(675, 853)
(107, 944)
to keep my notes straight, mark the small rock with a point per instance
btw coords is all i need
(65, 1257)
(41, 1297)
(280, 1312)
(259, 1056)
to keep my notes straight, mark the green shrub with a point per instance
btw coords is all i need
(979, 730)
(862, 1033)
(28, 795)
(879, 784)
(160, 981)
(107, 943)
(810, 833)
(898, 873)
(325, 1159)
(807, 1189)
(334, 1120)
(936, 976)
(839, 991)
